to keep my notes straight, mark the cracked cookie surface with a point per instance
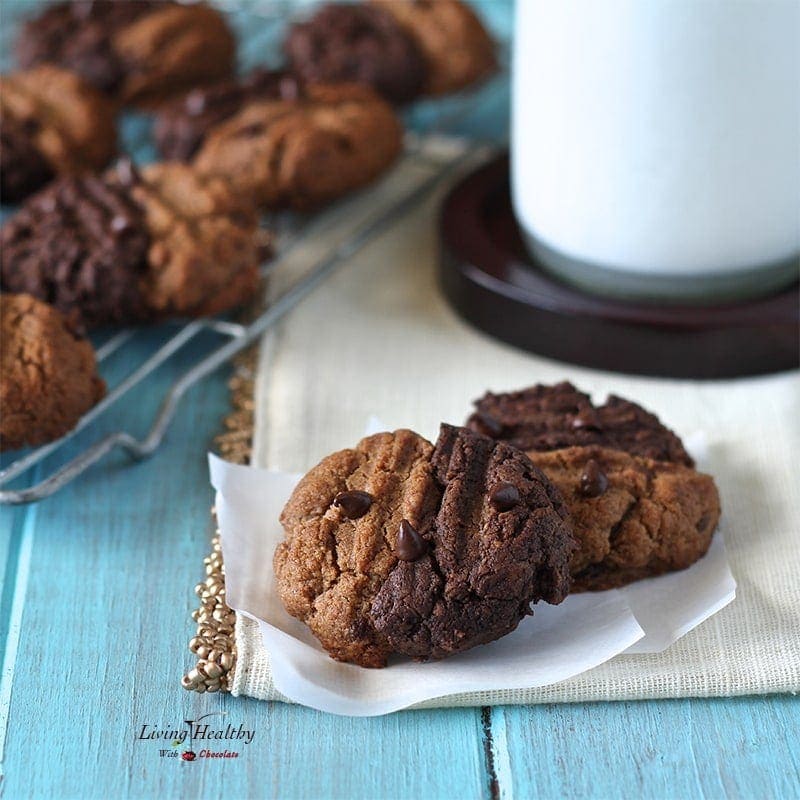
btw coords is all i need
(633, 517)
(53, 123)
(542, 418)
(455, 543)
(137, 51)
(306, 151)
(48, 376)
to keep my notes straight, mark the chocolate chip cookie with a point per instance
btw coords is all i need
(359, 43)
(305, 151)
(633, 517)
(48, 376)
(138, 51)
(51, 123)
(454, 43)
(400, 546)
(554, 417)
(127, 247)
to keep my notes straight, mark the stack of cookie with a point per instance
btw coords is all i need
(402, 547)
(181, 238)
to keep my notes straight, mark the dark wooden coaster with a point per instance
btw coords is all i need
(491, 280)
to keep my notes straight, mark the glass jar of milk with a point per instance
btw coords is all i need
(656, 144)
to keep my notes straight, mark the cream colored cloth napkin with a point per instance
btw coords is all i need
(379, 338)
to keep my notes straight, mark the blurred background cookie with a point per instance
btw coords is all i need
(128, 246)
(48, 375)
(304, 151)
(400, 546)
(51, 123)
(182, 125)
(456, 47)
(360, 43)
(137, 51)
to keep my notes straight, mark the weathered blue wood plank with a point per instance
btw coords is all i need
(737, 747)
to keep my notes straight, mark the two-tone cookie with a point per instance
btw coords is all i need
(633, 517)
(398, 546)
(304, 148)
(48, 375)
(52, 123)
(552, 417)
(455, 45)
(638, 506)
(128, 246)
(137, 51)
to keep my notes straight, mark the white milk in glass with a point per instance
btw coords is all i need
(656, 143)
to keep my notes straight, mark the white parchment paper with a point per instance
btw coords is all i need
(557, 643)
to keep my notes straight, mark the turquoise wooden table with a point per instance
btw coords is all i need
(95, 615)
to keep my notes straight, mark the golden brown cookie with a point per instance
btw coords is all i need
(400, 546)
(48, 376)
(633, 517)
(138, 51)
(305, 151)
(52, 123)
(456, 47)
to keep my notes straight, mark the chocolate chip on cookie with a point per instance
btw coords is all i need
(552, 417)
(454, 43)
(639, 518)
(304, 151)
(52, 123)
(359, 43)
(125, 247)
(138, 51)
(433, 567)
(48, 376)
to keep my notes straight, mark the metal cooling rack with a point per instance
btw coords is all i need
(429, 118)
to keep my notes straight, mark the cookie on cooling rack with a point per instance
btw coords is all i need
(360, 43)
(51, 123)
(306, 150)
(138, 51)
(552, 417)
(48, 375)
(128, 247)
(633, 517)
(456, 47)
(401, 546)
(183, 124)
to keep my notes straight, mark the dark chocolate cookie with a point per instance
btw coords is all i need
(360, 43)
(553, 417)
(51, 123)
(125, 247)
(81, 245)
(397, 546)
(182, 125)
(138, 51)
(633, 517)
(48, 376)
